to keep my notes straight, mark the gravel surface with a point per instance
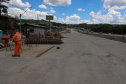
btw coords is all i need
(82, 59)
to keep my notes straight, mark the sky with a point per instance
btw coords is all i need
(71, 11)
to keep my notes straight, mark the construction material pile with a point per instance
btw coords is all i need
(42, 41)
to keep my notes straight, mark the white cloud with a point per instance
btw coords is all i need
(73, 17)
(92, 14)
(63, 14)
(115, 4)
(30, 14)
(125, 16)
(58, 2)
(55, 19)
(61, 20)
(80, 9)
(85, 21)
(111, 17)
(95, 21)
(51, 11)
(17, 3)
(42, 6)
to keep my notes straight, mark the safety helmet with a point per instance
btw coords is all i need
(17, 30)
(6, 33)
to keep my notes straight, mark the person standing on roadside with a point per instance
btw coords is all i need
(6, 39)
(17, 40)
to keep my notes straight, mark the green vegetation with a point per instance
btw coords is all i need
(7, 24)
(107, 28)
(4, 26)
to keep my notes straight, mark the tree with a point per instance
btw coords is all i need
(3, 8)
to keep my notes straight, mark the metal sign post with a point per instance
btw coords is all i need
(49, 26)
(49, 17)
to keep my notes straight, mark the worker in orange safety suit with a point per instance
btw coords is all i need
(17, 40)
(6, 40)
(49, 33)
(20, 34)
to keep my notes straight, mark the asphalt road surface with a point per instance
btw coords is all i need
(82, 59)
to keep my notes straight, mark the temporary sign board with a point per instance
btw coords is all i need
(49, 17)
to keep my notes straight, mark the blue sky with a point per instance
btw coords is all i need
(72, 11)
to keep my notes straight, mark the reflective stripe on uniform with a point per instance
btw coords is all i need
(19, 37)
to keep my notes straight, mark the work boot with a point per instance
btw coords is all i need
(14, 56)
(18, 55)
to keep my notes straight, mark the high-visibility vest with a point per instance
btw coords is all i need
(49, 33)
(6, 36)
(17, 37)
(20, 34)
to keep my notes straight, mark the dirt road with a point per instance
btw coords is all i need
(82, 59)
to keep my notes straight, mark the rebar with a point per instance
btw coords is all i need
(43, 41)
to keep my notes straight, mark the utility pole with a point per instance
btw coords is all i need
(37, 16)
(20, 22)
(20, 18)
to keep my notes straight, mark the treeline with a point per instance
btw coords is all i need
(7, 23)
(107, 28)
(4, 23)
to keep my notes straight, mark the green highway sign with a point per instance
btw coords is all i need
(49, 17)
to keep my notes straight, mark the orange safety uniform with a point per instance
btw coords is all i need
(49, 33)
(20, 34)
(17, 39)
(6, 41)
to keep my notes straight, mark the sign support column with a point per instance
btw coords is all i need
(49, 17)
(49, 26)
